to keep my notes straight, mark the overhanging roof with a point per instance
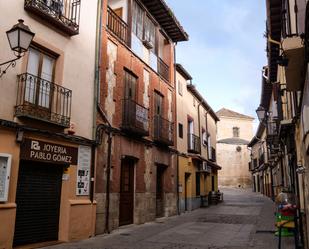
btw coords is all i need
(234, 141)
(166, 18)
(266, 91)
(257, 136)
(180, 69)
(197, 94)
(274, 14)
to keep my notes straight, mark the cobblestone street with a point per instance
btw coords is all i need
(244, 220)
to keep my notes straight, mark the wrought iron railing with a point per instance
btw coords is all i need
(163, 130)
(213, 155)
(41, 99)
(135, 117)
(163, 69)
(272, 127)
(117, 25)
(255, 163)
(194, 143)
(261, 159)
(64, 14)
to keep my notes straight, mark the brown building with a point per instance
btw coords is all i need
(136, 163)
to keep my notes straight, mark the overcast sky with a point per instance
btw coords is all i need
(226, 50)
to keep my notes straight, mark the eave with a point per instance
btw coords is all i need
(166, 18)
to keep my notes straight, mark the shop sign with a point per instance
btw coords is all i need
(36, 150)
(83, 170)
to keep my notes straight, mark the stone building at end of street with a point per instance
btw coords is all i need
(235, 130)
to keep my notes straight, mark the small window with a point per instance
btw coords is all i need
(179, 87)
(194, 101)
(235, 132)
(180, 130)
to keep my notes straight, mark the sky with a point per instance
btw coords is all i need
(226, 50)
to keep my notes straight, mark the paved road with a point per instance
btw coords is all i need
(244, 220)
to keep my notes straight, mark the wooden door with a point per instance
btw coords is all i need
(160, 192)
(187, 175)
(126, 204)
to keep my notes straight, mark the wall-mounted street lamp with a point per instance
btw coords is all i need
(20, 37)
(261, 113)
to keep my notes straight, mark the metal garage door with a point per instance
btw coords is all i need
(38, 202)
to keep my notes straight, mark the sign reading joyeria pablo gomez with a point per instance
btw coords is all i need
(36, 150)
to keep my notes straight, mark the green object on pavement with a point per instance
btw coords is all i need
(285, 231)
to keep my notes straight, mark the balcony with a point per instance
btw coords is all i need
(255, 163)
(163, 69)
(194, 144)
(43, 100)
(63, 14)
(213, 156)
(134, 118)
(117, 26)
(163, 131)
(261, 159)
(272, 131)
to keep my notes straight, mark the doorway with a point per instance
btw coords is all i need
(126, 203)
(187, 176)
(212, 183)
(160, 191)
(38, 202)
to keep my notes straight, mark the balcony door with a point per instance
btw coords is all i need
(126, 203)
(190, 132)
(130, 86)
(40, 74)
(158, 102)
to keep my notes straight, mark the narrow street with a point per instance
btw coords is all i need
(244, 220)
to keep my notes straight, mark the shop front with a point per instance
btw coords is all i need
(47, 183)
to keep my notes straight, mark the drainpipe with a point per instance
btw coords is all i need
(95, 94)
(108, 173)
(108, 130)
(177, 155)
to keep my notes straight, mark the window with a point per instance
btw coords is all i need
(142, 26)
(137, 20)
(209, 146)
(198, 183)
(235, 132)
(194, 101)
(204, 137)
(130, 82)
(180, 130)
(40, 69)
(149, 31)
(179, 87)
(158, 102)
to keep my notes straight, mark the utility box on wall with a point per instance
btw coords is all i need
(5, 170)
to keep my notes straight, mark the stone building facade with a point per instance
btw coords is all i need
(235, 130)
(136, 163)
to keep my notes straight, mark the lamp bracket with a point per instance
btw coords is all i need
(10, 63)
